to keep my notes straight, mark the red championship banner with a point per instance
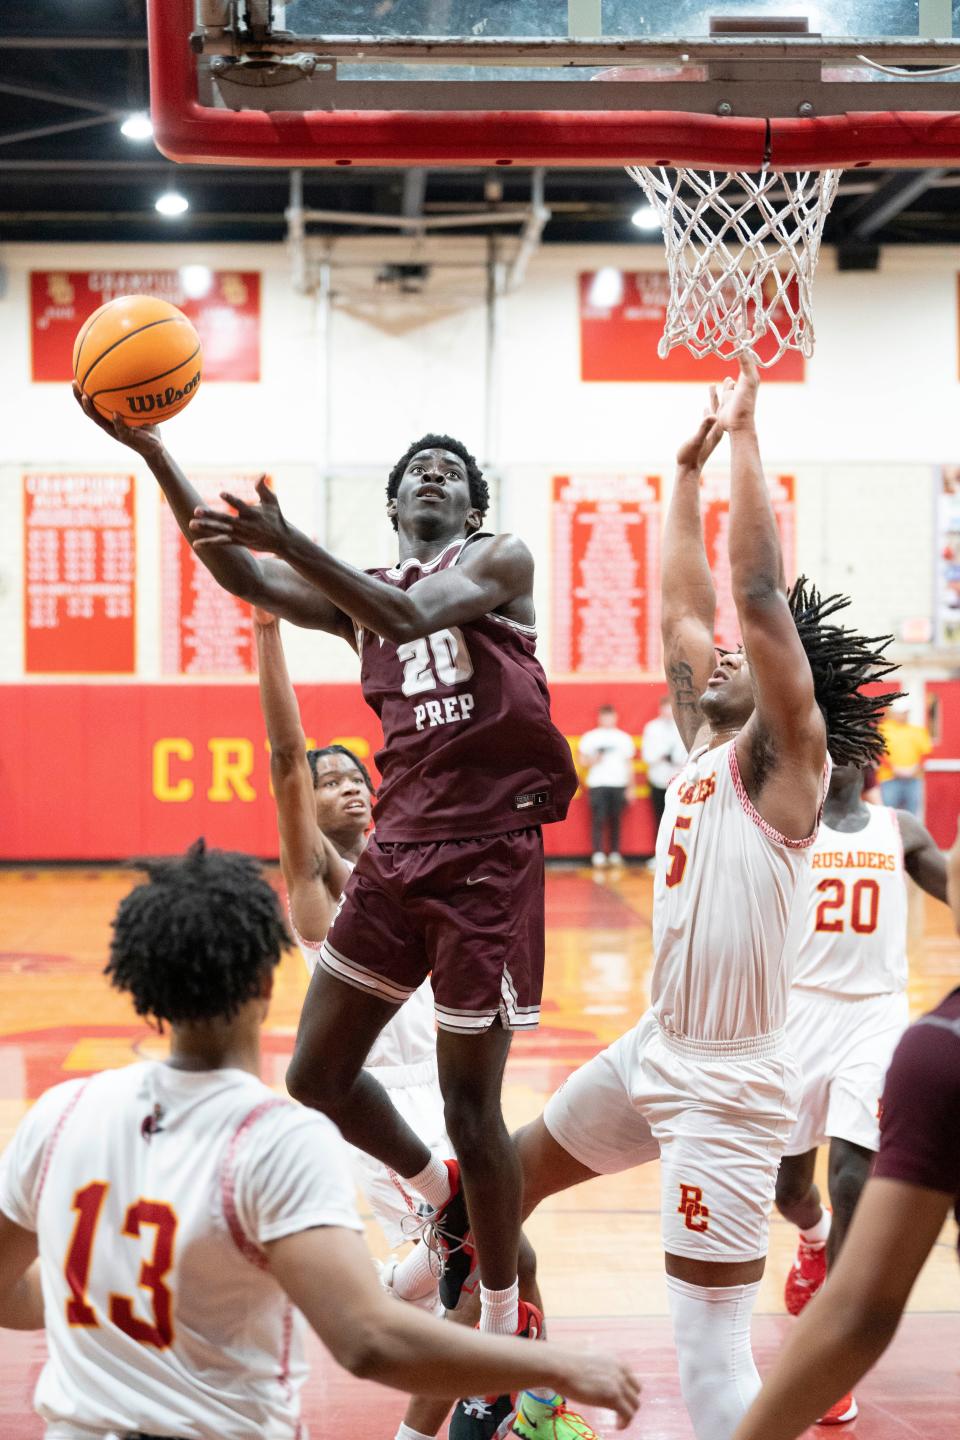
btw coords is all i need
(205, 631)
(224, 305)
(622, 315)
(606, 575)
(79, 575)
(715, 498)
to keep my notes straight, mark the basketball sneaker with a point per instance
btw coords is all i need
(846, 1409)
(538, 1419)
(491, 1417)
(445, 1234)
(805, 1276)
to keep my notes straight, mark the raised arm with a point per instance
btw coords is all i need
(328, 1275)
(688, 598)
(492, 574)
(923, 859)
(313, 872)
(263, 582)
(782, 748)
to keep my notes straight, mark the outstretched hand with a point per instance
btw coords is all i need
(695, 452)
(145, 439)
(737, 400)
(600, 1379)
(258, 527)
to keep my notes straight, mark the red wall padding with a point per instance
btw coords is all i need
(78, 763)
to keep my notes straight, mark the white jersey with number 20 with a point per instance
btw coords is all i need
(153, 1192)
(728, 907)
(855, 935)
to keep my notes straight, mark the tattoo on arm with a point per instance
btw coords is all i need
(680, 677)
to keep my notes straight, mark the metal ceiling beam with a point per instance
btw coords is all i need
(869, 215)
(14, 137)
(56, 97)
(73, 42)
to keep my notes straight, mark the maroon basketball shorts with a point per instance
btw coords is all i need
(467, 912)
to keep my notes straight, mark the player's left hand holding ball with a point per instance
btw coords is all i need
(258, 527)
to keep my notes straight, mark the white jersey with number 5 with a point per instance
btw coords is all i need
(153, 1192)
(728, 907)
(855, 934)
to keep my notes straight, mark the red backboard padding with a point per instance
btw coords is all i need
(187, 131)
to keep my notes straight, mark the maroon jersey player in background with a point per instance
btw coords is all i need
(452, 881)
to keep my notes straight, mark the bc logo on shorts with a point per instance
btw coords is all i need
(696, 1214)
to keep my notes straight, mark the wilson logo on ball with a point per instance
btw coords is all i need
(162, 400)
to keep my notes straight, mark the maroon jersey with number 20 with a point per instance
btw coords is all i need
(469, 746)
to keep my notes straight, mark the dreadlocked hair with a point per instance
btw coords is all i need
(479, 489)
(842, 661)
(195, 941)
(315, 756)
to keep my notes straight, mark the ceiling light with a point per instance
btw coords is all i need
(197, 281)
(172, 203)
(645, 218)
(606, 289)
(137, 127)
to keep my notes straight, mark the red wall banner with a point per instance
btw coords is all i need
(223, 305)
(620, 331)
(150, 767)
(606, 575)
(79, 575)
(715, 506)
(205, 630)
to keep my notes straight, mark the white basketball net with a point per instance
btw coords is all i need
(736, 243)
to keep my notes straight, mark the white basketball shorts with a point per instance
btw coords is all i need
(843, 1045)
(415, 1091)
(718, 1115)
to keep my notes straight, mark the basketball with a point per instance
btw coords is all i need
(138, 357)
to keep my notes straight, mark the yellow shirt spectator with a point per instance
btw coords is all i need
(907, 745)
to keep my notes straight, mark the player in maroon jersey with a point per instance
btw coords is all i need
(452, 883)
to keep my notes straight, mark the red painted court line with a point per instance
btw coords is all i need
(913, 1393)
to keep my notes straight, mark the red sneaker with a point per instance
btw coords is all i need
(846, 1409)
(805, 1276)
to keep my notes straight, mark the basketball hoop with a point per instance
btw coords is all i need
(741, 255)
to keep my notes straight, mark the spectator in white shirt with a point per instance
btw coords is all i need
(606, 753)
(663, 753)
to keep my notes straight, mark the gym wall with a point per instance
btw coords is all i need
(864, 437)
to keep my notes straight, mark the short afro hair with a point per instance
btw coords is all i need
(842, 661)
(195, 941)
(315, 756)
(479, 489)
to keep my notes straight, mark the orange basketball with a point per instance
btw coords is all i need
(138, 357)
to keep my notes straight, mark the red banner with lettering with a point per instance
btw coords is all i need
(151, 767)
(622, 315)
(224, 305)
(606, 575)
(716, 535)
(79, 575)
(206, 630)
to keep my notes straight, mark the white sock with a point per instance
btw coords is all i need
(416, 1278)
(433, 1182)
(817, 1234)
(718, 1379)
(405, 1433)
(500, 1310)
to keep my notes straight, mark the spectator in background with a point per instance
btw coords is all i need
(664, 754)
(606, 753)
(907, 747)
